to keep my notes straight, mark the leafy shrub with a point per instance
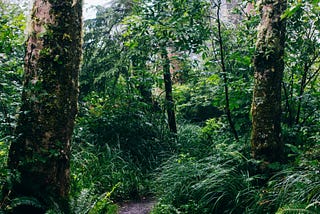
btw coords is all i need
(190, 142)
(130, 125)
(12, 37)
(117, 141)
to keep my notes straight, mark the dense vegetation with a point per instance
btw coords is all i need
(125, 146)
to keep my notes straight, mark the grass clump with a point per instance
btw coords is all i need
(215, 179)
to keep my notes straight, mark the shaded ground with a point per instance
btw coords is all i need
(143, 206)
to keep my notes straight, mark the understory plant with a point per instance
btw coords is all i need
(216, 181)
(117, 143)
(224, 179)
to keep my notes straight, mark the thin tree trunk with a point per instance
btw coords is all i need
(168, 88)
(304, 82)
(40, 155)
(269, 65)
(301, 92)
(288, 107)
(224, 76)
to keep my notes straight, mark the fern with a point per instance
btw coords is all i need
(24, 201)
(88, 203)
(297, 209)
(104, 204)
(82, 204)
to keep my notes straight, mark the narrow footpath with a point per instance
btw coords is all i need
(137, 207)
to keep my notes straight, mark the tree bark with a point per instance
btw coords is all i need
(168, 88)
(40, 155)
(269, 65)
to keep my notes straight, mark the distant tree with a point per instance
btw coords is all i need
(40, 155)
(105, 58)
(216, 5)
(169, 102)
(163, 28)
(269, 65)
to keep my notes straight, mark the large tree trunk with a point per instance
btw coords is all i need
(168, 88)
(40, 155)
(268, 62)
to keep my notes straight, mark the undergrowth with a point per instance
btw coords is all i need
(116, 147)
(222, 178)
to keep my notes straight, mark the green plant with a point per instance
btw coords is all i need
(216, 181)
(296, 188)
(4, 148)
(101, 169)
(12, 25)
(104, 204)
(18, 204)
(299, 209)
(88, 202)
(161, 208)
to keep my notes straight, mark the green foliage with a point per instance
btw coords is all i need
(224, 180)
(17, 205)
(12, 24)
(127, 124)
(117, 142)
(161, 24)
(300, 84)
(11, 53)
(216, 180)
(105, 59)
(296, 209)
(297, 188)
(3, 159)
(104, 205)
(89, 202)
(102, 169)
(121, 134)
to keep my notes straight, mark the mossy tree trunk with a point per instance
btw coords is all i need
(269, 65)
(40, 155)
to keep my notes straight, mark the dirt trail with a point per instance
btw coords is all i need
(137, 207)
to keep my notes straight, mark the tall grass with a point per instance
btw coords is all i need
(100, 169)
(224, 179)
(213, 179)
(297, 189)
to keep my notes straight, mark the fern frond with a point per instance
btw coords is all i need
(25, 201)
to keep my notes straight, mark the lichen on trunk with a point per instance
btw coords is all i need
(269, 65)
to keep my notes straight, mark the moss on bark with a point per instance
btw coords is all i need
(41, 152)
(268, 62)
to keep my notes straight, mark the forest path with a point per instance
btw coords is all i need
(143, 206)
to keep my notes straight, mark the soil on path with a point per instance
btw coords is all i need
(143, 206)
